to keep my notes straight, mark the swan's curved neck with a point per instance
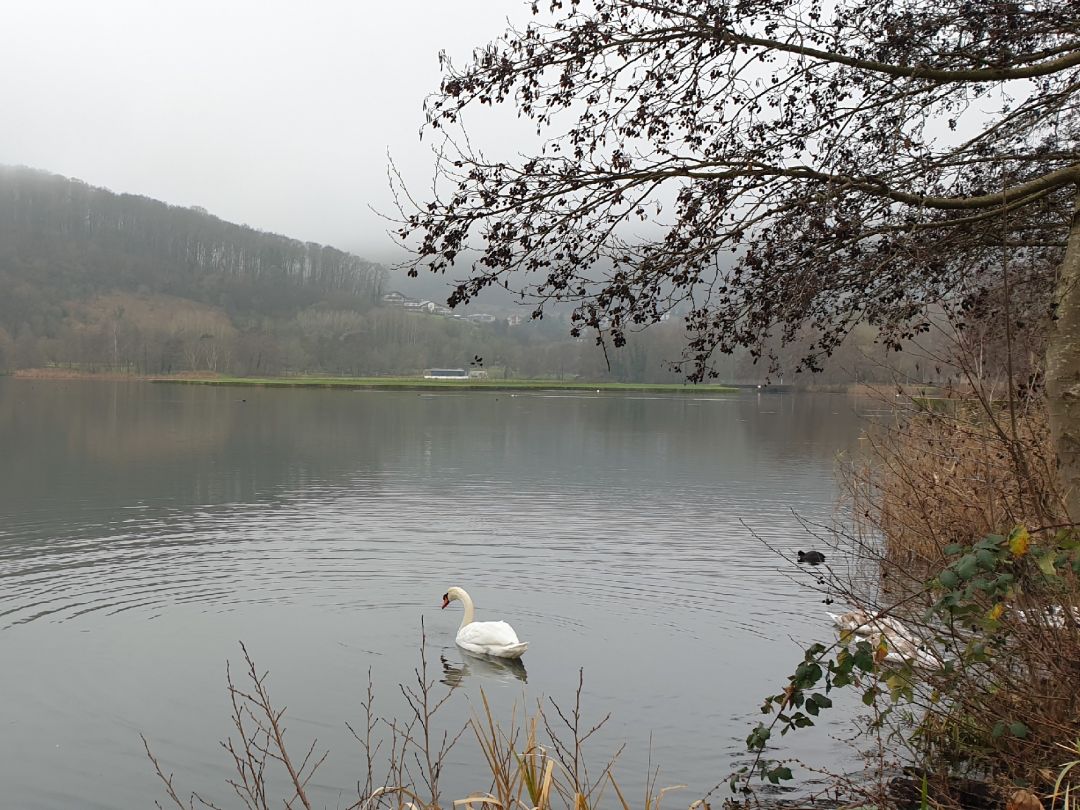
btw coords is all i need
(467, 603)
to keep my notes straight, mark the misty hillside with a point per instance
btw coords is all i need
(101, 281)
(62, 239)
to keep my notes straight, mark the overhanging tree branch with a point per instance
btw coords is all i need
(781, 163)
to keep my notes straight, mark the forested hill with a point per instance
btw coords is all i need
(73, 256)
(99, 281)
(70, 240)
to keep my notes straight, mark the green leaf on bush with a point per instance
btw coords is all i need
(1018, 729)
(991, 541)
(948, 578)
(900, 687)
(758, 737)
(864, 657)
(807, 674)
(1068, 540)
(967, 567)
(778, 773)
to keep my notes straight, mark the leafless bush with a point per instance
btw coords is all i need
(259, 746)
(961, 522)
(403, 760)
(947, 470)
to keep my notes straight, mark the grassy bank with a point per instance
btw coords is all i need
(421, 384)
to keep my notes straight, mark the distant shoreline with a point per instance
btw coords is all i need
(402, 383)
(375, 383)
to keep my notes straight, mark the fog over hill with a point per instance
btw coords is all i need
(97, 239)
(101, 281)
(98, 280)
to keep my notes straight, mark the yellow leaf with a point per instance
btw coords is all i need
(881, 651)
(995, 612)
(1019, 541)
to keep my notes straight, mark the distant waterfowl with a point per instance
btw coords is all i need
(811, 557)
(484, 638)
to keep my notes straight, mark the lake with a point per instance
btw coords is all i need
(146, 529)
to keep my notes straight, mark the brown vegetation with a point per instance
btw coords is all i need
(962, 532)
(536, 764)
(952, 470)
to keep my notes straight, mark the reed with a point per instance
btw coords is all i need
(1066, 793)
(960, 530)
(537, 762)
(934, 477)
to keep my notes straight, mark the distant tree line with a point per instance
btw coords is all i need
(67, 249)
(113, 282)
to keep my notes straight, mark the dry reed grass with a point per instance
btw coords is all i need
(952, 470)
(943, 473)
(538, 763)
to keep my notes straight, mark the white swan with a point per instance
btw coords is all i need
(484, 638)
(901, 645)
(863, 623)
(902, 650)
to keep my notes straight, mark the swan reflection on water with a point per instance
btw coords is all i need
(482, 666)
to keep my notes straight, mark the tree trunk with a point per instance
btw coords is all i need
(1063, 371)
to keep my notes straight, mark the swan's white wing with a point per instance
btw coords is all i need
(849, 622)
(487, 634)
(890, 625)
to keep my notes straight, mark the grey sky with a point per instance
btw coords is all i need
(276, 114)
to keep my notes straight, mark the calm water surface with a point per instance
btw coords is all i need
(146, 529)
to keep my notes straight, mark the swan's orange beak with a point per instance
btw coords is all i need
(445, 600)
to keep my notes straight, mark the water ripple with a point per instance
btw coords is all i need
(611, 530)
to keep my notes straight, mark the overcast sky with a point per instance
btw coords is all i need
(271, 113)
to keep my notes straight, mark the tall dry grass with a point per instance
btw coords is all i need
(938, 476)
(537, 762)
(951, 470)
